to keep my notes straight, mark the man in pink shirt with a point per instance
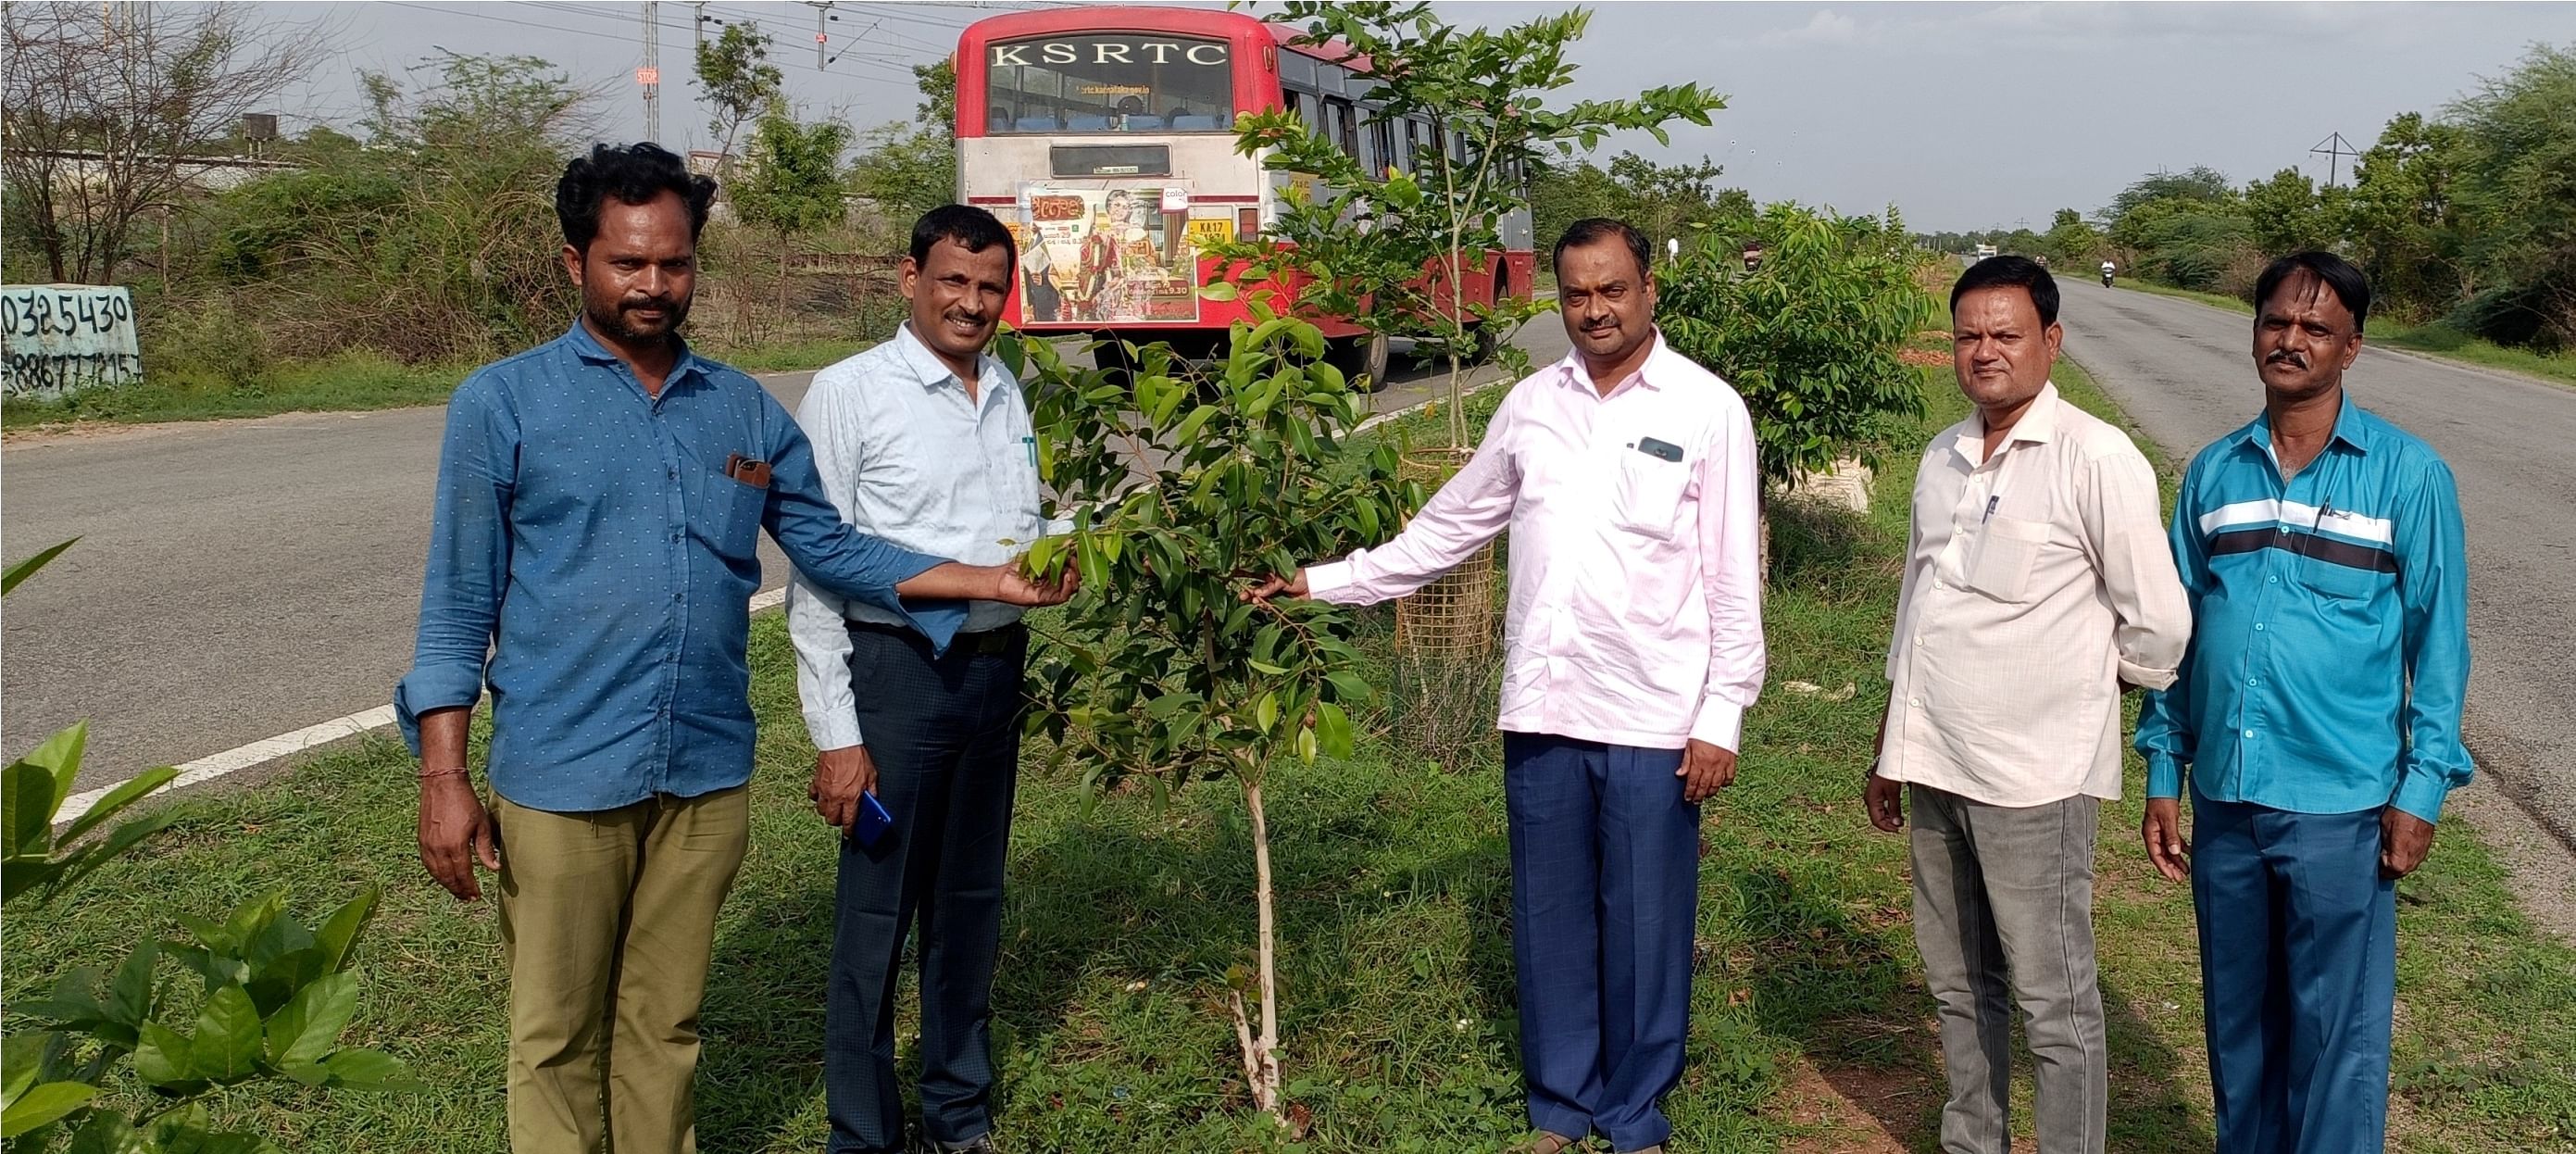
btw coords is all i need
(1626, 475)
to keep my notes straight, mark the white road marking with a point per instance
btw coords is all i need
(261, 752)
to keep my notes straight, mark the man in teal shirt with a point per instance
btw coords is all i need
(2318, 711)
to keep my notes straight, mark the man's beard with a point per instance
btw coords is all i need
(613, 320)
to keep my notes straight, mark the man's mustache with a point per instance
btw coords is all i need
(2287, 357)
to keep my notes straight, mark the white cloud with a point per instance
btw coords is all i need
(1825, 27)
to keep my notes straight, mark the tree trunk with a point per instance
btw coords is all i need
(1261, 1053)
(781, 318)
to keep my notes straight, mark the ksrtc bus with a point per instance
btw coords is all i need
(1104, 137)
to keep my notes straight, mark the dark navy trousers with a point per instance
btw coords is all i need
(1605, 893)
(2298, 962)
(945, 735)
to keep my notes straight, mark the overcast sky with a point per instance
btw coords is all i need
(1963, 115)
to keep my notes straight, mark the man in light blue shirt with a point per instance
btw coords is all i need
(924, 441)
(2318, 711)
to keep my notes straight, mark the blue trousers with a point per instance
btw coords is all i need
(2298, 962)
(944, 732)
(1605, 892)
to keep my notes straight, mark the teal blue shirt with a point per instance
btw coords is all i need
(2316, 604)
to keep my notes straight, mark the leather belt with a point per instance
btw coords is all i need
(984, 642)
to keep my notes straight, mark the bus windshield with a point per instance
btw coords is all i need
(1110, 82)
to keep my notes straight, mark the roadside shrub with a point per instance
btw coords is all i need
(1812, 339)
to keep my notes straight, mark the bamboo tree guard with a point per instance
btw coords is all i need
(1447, 665)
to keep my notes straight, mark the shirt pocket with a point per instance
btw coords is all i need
(738, 508)
(1648, 495)
(2335, 581)
(2005, 551)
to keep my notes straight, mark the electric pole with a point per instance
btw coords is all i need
(2335, 148)
(822, 12)
(650, 75)
(699, 25)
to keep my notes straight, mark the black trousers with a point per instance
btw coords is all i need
(945, 735)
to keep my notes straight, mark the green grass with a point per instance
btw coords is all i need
(2433, 339)
(1810, 1024)
(349, 381)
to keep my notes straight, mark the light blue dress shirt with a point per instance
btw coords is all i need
(2330, 642)
(587, 539)
(906, 455)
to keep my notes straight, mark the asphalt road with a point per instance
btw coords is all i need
(2185, 373)
(239, 580)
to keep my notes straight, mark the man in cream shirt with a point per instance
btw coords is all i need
(2038, 585)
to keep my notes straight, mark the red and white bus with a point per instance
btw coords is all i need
(1105, 138)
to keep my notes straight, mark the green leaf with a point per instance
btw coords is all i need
(164, 1059)
(129, 993)
(27, 568)
(1333, 729)
(44, 1105)
(114, 845)
(226, 1046)
(1266, 713)
(105, 1132)
(127, 793)
(1350, 686)
(1187, 433)
(22, 1059)
(1266, 667)
(339, 932)
(369, 1070)
(1306, 745)
(309, 1025)
(1220, 291)
(32, 791)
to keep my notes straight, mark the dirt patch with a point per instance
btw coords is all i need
(1856, 1109)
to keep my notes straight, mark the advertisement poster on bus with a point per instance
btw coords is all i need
(1110, 256)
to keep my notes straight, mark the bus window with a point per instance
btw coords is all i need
(1303, 104)
(1110, 82)
(1342, 125)
(1382, 142)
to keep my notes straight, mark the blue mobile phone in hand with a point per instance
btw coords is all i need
(874, 821)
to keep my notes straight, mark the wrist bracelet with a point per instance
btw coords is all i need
(427, 774)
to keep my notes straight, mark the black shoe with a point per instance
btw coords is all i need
(979, 1144)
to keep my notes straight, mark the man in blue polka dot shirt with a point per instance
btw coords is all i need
(592, 557)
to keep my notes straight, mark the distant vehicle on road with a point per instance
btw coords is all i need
(1983, 251)
(2106, 274)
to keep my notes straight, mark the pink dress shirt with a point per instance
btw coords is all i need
(1636, 613)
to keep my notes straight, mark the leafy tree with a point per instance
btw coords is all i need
(1665, 201)
(2286, 215)
(792, 183)
(2406, 223)
(2518, 181)
(2199, 183)
(938, 84)
(1361, 249)
(908, 170)
(1810, 340)
(1161, 672)
(103, 107)
(2071, 242)
(277, 993)
(1562, 193)
(734, 76)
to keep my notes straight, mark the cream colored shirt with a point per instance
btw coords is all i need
(2037, 580)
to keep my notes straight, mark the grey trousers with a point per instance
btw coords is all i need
(2004, 894)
